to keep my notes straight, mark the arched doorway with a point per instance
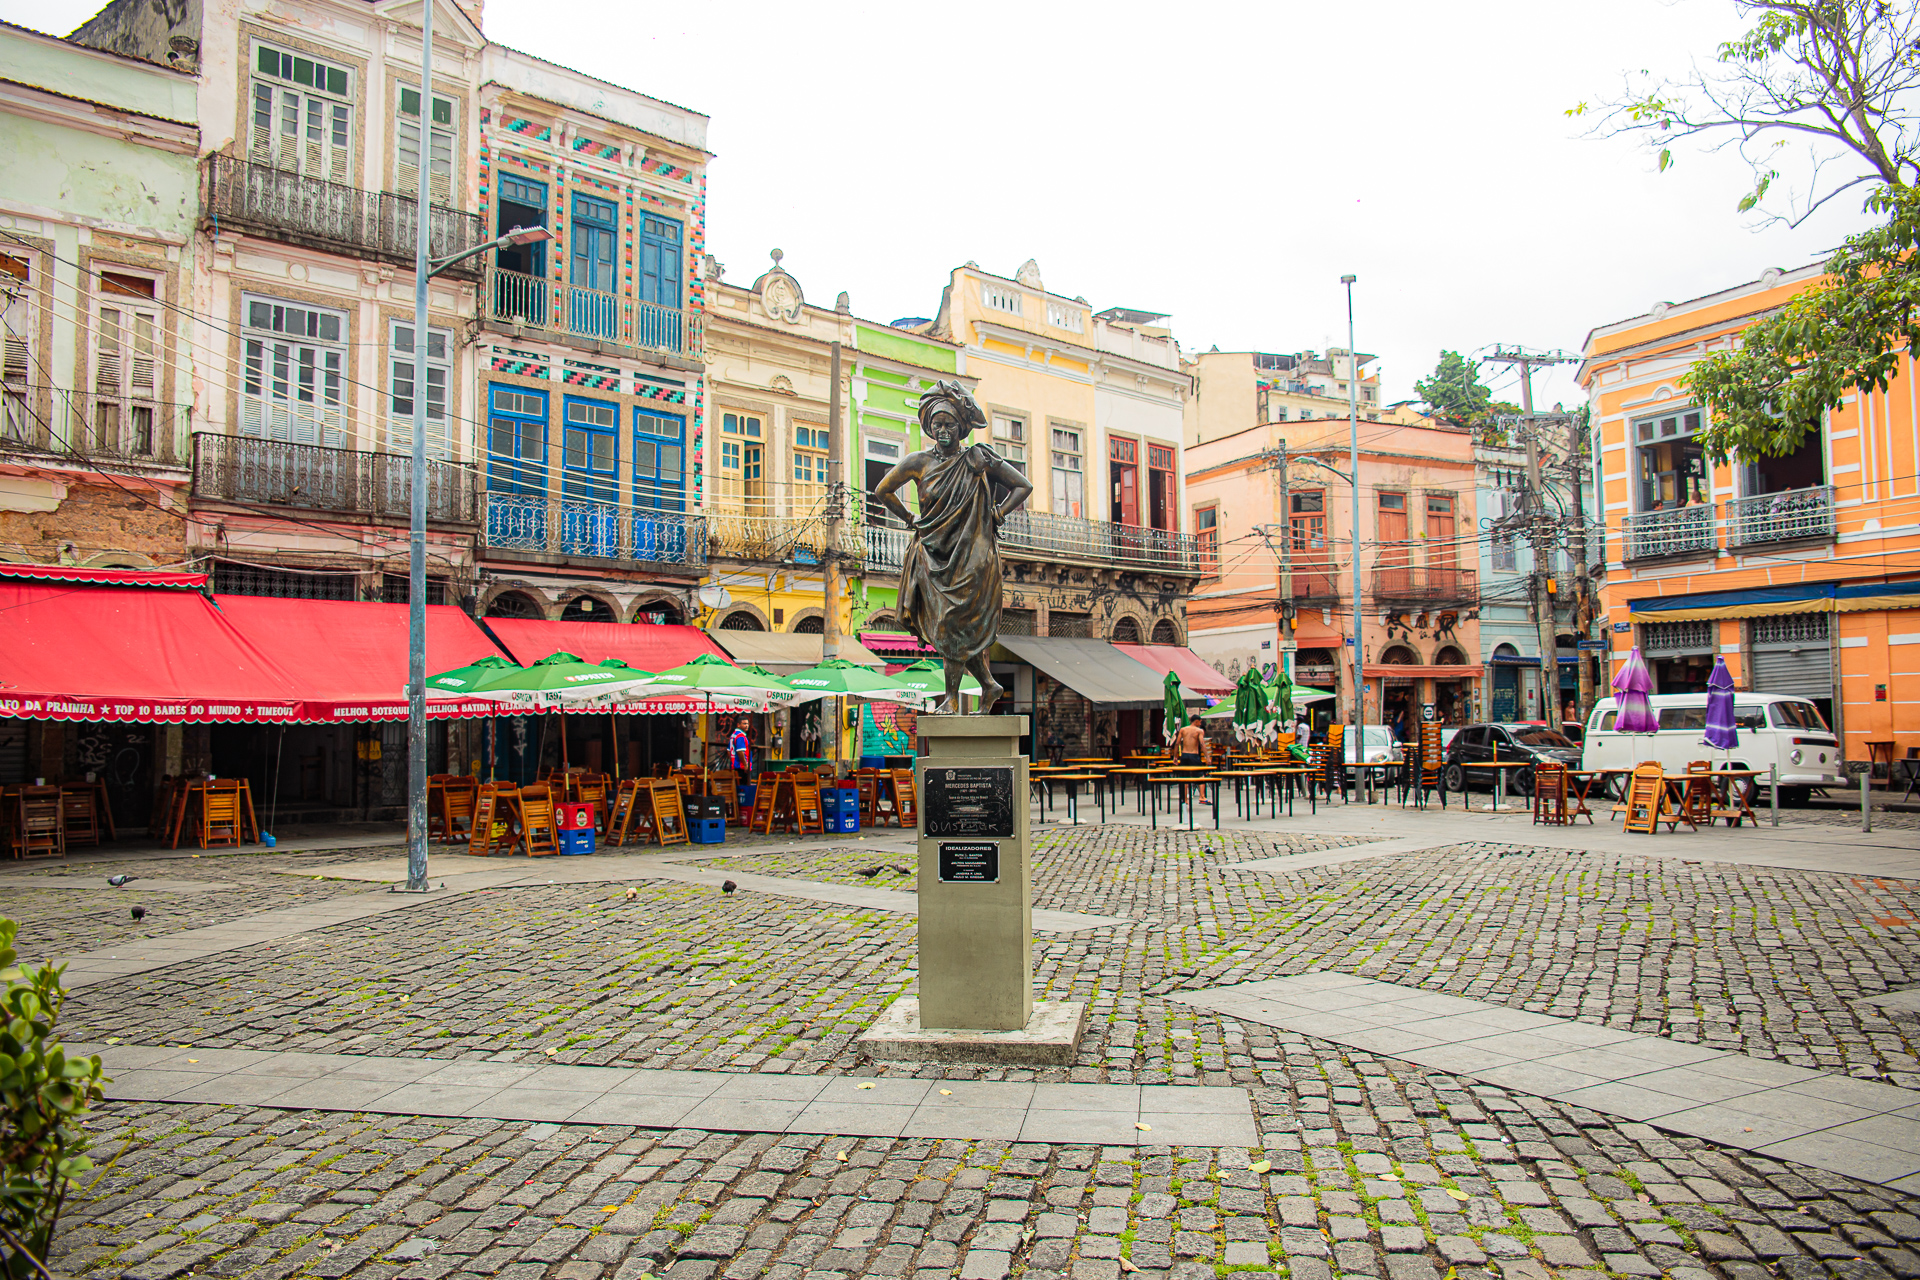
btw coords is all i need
(813, 626)
(1165, 632)
(513, 604)
(1399, 696)
(1504, 704)
(1126, 631)
(1452, 699)
(740, 620)
(587, 609)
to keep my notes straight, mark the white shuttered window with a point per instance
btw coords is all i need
(126, 365)
(293, 380)
(406, 147)
(16, 347)
(300, 117)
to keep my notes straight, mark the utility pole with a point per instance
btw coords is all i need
(1582, 581)
(1282, 609)
(830, 559)
(1541, 528)
(1353, 461)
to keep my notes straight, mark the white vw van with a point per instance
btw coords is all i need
(1787, 733)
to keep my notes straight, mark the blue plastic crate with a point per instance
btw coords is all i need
(576, 842)
(844, 822)
(747, 791)
(707, 830)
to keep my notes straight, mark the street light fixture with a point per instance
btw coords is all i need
(1353, 464)
(425, 268)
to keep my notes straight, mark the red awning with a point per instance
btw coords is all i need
(347, 661)
(896, 642)
(105, 577)
(1196, 677)
(638, 644)
(123, 653)
(1393, 671)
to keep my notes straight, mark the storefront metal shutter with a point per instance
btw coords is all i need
(1790, 655)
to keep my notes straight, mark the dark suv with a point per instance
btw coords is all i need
(1487, 742)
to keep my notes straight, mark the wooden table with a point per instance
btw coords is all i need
(197, 788)
(1140, 774)
(1184, 776)
(1592, 776)
(1500, 778)
(1879, 753)
(1737, 807)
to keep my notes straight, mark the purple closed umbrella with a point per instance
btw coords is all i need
(1632, 685)
(1721, 732)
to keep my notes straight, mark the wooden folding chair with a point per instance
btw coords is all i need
(766, 794)
(669, 814)
(41, 830)
(492, 832)
(626, 820)
(77, 814)
(1550, 794)
(905, 807)
(1645, 804)
(807, 817)
(437, 825)
(1696, 802)
(539, 828)
(220, 813)
(457, 801)
(593, 788)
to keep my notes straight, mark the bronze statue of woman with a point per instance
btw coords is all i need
(950, 580)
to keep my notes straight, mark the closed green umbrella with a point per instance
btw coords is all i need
(1171, 708)
(1253, 719)
(1282, 699)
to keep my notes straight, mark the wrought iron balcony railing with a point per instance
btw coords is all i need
(1316, 579)
(1658, 535)
(1425, 584)
(278, 473)
(90, 426)
(568, 310)
(596, 530)
(330, 215)
(1037, 535)
(771, 539)
(1780, 517)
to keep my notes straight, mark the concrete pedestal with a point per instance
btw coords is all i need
(976, 911)
(976, 884)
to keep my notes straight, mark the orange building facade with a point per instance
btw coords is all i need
(1803, 571)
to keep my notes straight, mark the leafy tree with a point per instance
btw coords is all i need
(1835, 78)
(1455, 394)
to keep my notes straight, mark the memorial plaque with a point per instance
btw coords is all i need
(970, 862)
(968, 802)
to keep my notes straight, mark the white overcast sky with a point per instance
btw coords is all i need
(1225, 164)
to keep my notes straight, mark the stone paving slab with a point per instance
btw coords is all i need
(736, 1102)
(617, 868)
(1854, 1127)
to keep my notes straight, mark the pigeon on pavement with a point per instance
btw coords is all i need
(866, 873)
(728, 886)
(117, 881)
(139, 913)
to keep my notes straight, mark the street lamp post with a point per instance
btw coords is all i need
(424, 270)
(1353, 464)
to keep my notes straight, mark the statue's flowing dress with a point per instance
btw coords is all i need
(950, 581)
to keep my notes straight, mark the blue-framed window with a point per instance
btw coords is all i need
(516, 467)
(596, 238)
(659, 461)
(589, 477)
(659, 486)
(661, 255)
(521, 202)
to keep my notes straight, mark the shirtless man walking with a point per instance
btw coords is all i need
(1189, 741)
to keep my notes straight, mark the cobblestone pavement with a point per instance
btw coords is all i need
(1366, 1169)
(1763, 961)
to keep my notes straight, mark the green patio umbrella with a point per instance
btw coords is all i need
(1253, 718)
(839, 678)
(1282, 697)
(1172, 710)
(557, 679)
(929, 676)
(725, 685)
(461, 681)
